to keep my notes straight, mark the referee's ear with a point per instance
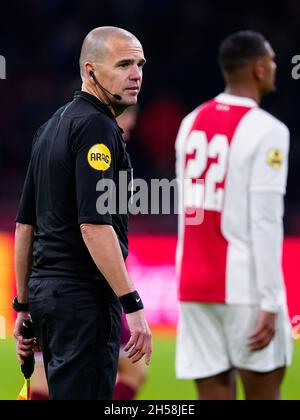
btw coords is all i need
(87, 73)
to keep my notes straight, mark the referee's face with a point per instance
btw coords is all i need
(121, 69)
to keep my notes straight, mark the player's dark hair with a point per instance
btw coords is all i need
(238, 49)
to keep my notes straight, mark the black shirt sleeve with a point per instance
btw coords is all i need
(27, 210)
(95, 151)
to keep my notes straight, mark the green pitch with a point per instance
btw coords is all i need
(161, 383)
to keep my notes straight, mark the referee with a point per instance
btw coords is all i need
(69, 258)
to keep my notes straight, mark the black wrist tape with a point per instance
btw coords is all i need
(131, 302)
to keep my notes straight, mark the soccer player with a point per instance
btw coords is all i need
(233, 302)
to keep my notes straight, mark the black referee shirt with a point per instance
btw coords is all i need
(79, 145)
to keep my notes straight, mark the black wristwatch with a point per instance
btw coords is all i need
(20, 307)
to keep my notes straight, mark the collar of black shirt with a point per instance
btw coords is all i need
(97, 103)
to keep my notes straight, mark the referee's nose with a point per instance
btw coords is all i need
(136, 73)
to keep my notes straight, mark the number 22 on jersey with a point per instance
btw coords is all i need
(205, 161)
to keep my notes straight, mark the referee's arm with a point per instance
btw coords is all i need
(23, 259)
(23, 263)
(24, 235)
(103, 245)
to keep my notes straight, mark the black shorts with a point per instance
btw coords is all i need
(78, 326)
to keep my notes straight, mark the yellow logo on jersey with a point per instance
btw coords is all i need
(275, 158)
(99, 157)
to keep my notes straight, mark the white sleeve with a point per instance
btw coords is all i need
(182, 136)
(266, 213)
(270, 164)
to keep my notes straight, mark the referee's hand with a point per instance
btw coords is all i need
(140, 343)
(25, 347)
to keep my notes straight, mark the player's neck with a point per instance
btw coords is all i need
(243, 91)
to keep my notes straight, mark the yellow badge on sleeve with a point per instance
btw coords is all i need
(99, 157)
(275, 158)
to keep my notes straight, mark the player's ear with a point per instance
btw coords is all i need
(258, 70)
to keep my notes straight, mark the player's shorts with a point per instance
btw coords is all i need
(212, 338)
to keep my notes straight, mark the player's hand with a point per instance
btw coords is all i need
(25, 347)
(264, 332)
(140, 343)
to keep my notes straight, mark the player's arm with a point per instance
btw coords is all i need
(183, 133)
(266, 230)
(267, 189)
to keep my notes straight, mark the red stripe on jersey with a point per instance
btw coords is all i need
(203, 265)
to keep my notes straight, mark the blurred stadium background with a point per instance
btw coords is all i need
(41, 40)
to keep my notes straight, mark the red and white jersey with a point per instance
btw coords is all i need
(236, 148)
